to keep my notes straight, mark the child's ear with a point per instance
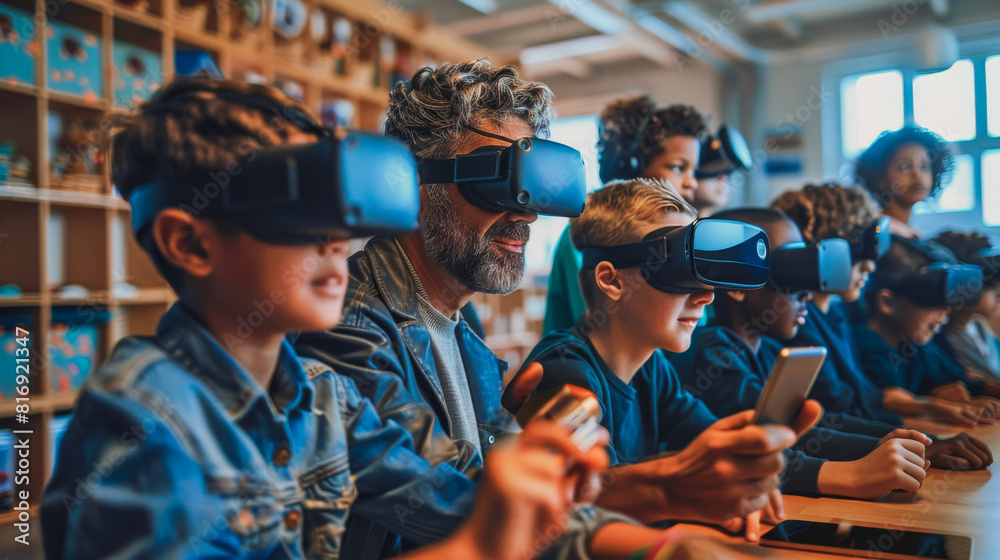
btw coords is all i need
(609, 280)
(736, 295)
(181, 239)
(885, 303)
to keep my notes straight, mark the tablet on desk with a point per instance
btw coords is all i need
(860, 541)
(789, 384)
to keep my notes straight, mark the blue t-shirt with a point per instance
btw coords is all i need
(841, 385)
(649, 415)
(918, 369)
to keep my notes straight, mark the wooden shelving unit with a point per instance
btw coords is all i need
(56, 231)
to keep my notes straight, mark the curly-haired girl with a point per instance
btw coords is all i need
(900, 169)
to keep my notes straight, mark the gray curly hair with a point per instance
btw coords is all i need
(431, 112)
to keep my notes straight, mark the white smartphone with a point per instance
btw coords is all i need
(788, 385)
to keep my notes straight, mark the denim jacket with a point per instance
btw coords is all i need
(174, 451)
(380, 342)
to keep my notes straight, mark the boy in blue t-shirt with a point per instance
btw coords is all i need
(897, 351)
(212, 439)
(730, 361)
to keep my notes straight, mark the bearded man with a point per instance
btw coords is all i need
(402, 337)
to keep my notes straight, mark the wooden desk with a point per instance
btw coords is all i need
(960, 503)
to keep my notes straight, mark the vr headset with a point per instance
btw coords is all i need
(940, 285)
(818, 267)
(871, 242)
(353, 185)
(989, 261)
(723, 153)
(703, 254)
(529, 175)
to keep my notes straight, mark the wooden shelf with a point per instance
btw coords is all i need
(24, 300)
(99, 105)
(22, 89)
(40, 404)
(62, 197)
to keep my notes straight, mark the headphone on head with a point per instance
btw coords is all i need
(628, 163)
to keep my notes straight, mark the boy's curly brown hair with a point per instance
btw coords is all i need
(827, 211)
(624, 120)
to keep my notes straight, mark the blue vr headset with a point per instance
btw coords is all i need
(939, 285)
(699, 256)
(350, 184)
(815, 267)
(528, 175)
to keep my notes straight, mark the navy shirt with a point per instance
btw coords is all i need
(723, 371)
(918, 369)
(841, 385)
(649, 415)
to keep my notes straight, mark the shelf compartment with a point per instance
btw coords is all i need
(21, 245)
(19, 135)
(78, 248)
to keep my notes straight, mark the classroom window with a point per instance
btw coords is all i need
(870, 104)
(945, 102)
(991, 188)
(993, 95)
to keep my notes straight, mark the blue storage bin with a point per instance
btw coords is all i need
(8, 346)
(73, 348)
(137, 73)
(74, 61)
(57, 427)
(18, 48)
(6, 469)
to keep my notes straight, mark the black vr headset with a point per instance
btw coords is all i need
(939, 285)
(723, 153)
(816, 267)
(701, 255)
(871, 242)
(352, 184)
(989, 261)
(528, 175)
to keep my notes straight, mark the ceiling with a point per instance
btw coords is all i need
(578, 39)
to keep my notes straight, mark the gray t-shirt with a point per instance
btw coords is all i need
(448, 364)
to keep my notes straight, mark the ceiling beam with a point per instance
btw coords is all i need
(482, 6)
(503, 20)
(780, 9)
(572, 48)
(714, 32)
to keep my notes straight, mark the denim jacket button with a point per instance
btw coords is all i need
(491, 439)
(292, 520)
(281, 456)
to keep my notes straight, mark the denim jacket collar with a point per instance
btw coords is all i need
(187, 342)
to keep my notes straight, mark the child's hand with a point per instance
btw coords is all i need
(955, 391)
(732, 468)
(528, 490)
(956, 413)
(897, 464)
(906, 433)
(960, 453)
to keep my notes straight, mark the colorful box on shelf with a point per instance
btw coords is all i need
(137, 73)
(73, 345)
(8, 352)
(74, 61)
(6, 470)
(18, 48)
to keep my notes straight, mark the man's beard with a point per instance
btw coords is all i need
(459, 250)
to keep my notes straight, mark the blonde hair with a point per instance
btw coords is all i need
(618, 214)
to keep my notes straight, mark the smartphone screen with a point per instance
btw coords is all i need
(867, 542)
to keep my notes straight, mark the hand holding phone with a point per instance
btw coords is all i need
(788, 385)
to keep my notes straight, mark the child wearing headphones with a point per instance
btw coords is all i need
(968, 337)
(636, 140)
(213, 440)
